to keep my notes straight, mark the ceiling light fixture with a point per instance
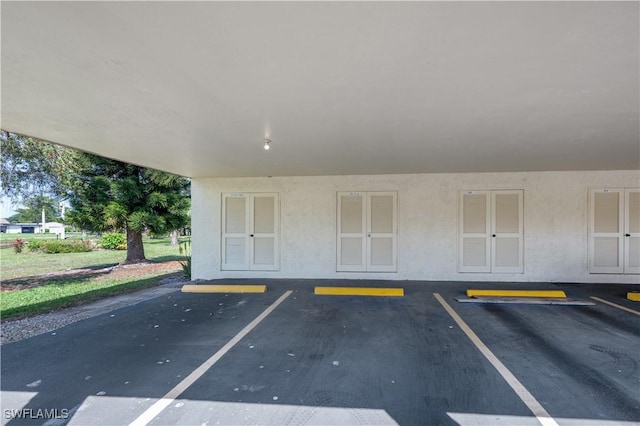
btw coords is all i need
(266, 144)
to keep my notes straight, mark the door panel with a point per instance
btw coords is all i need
(507, 232)
(474, 254)
(475, 213)
(382, 251)
(352, 214)
(606, 244)
(381, 219)
(607, 212)
(351, 231)
(264, 232)
(236, 252)
(475, 242)
(264, 251)
(507, 217)
(606, 252)
(633, 261)
(632, 232)
(633, 215)
(235, 236)
(351, 251)
(382, 213)
(507, 252)
(235, 210)
(264, 214)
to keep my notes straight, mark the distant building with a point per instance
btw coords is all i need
(30, 228)
(24, 228)
(54, 227)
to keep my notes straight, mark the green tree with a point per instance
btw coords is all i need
(109, 195)
(32, 210)
(31, 167)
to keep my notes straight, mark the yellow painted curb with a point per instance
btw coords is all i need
(633, 296)
(190, 288)
(358, 291)
(516, 293)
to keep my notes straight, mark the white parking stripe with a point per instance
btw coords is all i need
(166, 400)
(536, 408)
(615, 305)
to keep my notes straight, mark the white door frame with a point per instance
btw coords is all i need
(250, 235)
(490, 236)
(366, 235)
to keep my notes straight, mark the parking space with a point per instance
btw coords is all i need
(578, 362)
(105, 370)
(313, 359)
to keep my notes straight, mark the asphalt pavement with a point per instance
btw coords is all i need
(297, 358)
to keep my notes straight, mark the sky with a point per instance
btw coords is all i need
(6, 208)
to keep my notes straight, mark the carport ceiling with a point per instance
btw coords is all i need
(340, 88)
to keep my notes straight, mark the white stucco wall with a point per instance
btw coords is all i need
(555, 224)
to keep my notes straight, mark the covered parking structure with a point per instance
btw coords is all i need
(486, 141)
(426, 141)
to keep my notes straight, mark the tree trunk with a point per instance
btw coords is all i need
(174, 238)
(135, 249)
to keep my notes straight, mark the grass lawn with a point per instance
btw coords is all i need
(63, 293)
(27, 264)
(50, 294)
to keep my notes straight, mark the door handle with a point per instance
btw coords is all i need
(627, 235)
(251, 235)
(493, 235)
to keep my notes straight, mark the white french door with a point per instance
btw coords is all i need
(632, 231)
(250, 230)
(367, 231)
(491, 231)
(614, 231)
